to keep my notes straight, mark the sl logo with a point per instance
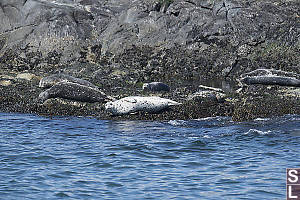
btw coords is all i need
(293, 183)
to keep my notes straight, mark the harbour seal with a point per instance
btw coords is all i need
(270, 72)
(51, 80)
(271, 80)
(156, 87)
(74, 91)
(134, 104)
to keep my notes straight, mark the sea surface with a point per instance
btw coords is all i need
(87, 158)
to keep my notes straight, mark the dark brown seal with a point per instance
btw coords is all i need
(74, 91)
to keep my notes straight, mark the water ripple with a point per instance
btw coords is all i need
(84, 158)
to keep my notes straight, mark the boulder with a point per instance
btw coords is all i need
(232, 36)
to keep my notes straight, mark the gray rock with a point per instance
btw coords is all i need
(64, 32)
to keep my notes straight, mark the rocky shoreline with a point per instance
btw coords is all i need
(120, 46)
(20, 93)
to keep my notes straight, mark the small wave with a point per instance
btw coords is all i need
(208, 136)
(259, 132)
(261, 119)
(177, 122)
(218, 118)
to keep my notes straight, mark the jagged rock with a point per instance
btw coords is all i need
(59, 32)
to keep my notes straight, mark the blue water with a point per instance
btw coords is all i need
(85, 158)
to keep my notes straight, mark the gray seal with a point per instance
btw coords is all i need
(74, 91)
(51, 80)
(156, 87)
(135, 104)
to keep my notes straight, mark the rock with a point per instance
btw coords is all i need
(290, 92)
(204, 87)
(53, 101)
(46, 34)
(7, 77)
(27, 76)
(5, 82)
(207, 96)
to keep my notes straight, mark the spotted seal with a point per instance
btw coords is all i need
(156, 87)
(74, 91)
(51, 80)
(134, 104)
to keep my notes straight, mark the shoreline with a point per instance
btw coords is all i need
(247, 103)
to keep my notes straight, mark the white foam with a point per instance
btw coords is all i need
(176, 122)
(261, 119)
(251, 131)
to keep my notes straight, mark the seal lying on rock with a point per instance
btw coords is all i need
(134, 104)
(270, 77)
(156, 87)
(271, 80)
(49, 81)
(270, 72)
(74, 91)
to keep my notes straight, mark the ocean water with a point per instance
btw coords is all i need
(86, 158)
